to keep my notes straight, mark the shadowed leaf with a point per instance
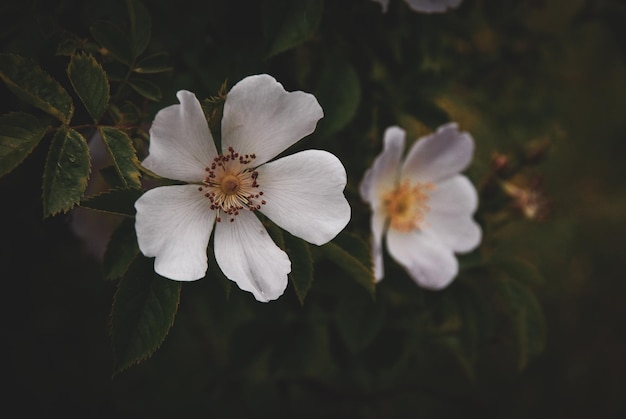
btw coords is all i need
(35, 87)
(290, 23)
(301, 274)
(90, 83)
(146, 89)
(114, 201)
(19, 135)
(121, 250)
(114, 40)
(66, 173)
(144, 308)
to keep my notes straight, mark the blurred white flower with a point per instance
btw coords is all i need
(302, 193)
(423, 204)
(426, 6)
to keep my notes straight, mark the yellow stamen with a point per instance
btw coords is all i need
(407, 205)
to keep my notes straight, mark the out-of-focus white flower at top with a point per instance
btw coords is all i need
(426, 6)
(302, 193)
(423, 204)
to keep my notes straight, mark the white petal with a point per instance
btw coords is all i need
(378, 228)
(433, 6)
(173, 224)
(304, 195)
(181, 145)
(426, 259)
(455, 195)
(451, 206)
(440, 155)
(247, 255)
(262, 118)
(382, 176)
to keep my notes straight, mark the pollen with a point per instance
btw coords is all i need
(231, 186)
(407, 205)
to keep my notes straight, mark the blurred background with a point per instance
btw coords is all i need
(541, 86)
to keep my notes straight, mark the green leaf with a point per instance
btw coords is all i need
(19, 135)
(114, 40)
(90, 83)
(122, 152)
(144, 308)
(146, 89)
(121, 250)
(35, 87)
(114, 201)
(301, 265)
(339, 93)
(140, 26)
(153, 64)
(352, 255)
(66, 173)
(288, 23)
(359, 321)
(528, 322)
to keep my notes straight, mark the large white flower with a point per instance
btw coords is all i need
(426, 6)
(423, 204)
(302, 193)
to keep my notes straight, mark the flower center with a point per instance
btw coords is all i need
(231, 186)
(407, 205)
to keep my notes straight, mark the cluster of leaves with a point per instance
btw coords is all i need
(303, 43)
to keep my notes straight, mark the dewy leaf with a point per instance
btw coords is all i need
(352, 255)
(140, 26)
(144, 308)
(114, 201)
(122, 152)
(66, 173)
(121, 250)
(90, 83)
(114, 40)
(339, 93)
(288, 23)
(301, 265)
(146, 89)
(35, 87)
(19, 135)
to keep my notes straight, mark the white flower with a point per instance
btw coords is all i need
(426, 6)
(424, 204)
(302, 193)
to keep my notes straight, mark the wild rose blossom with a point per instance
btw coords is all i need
(423, 205)
(302, 193)
(426, 6)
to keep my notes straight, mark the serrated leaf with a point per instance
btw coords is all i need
(288, 23)
(146, 89)
(90, 83)
(120, 148)
(339, 93)
(66, 173)
(144, 308)
(140, 26)
(115, 201)
(351, 254)
(114, 40)
(301, 274)
(35, 87)
(19, 135)
(112, 178)
(153, 64)
(121, 250)
(358, 320)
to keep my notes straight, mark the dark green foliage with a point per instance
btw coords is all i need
(114, 201)
(123, 154)
(19, 135)
(144, 308)
(90, 83)
(66, 172)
